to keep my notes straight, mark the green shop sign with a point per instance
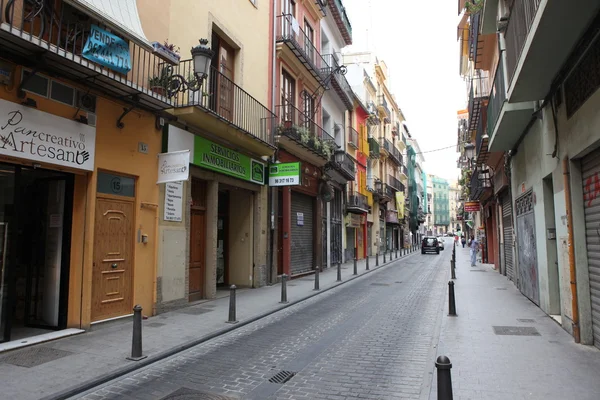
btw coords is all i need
(284, 174)
(219, 158)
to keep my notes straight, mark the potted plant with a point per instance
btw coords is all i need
(159, 84)
(328, 149)
(304, 133)
(167, 51)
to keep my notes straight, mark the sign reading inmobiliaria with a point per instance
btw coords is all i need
(35, 135)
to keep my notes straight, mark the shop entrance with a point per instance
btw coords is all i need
(222, 242)
(35, 241)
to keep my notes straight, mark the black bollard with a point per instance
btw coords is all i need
(339, 272)
(384, 256)
(367, 260)
(452, 271)
(451, 301)
(136, 342)
(355, 261)
(232, 319)
(377, 259)
(284, 288)
(396, 253)
(317, 278)
(444, 379)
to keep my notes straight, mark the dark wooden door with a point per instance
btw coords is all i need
(197, 255)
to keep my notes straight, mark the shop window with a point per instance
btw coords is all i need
(116, 184)
(37, 84)
(62, 93)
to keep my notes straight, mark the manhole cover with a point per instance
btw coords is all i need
(155, 324)
(189, 394)
(34, 356)
(525, 320)
(380, 284)
(193, 311)
(516, 331)
(282, 377)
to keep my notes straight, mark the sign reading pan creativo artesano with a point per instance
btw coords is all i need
(219, 158)
(30, 134)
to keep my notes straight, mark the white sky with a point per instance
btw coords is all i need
(417, 41)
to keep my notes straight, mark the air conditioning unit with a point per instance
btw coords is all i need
(86, 102)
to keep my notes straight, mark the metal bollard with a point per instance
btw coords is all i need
(136, 342)
(444, 379)
(377, 259)
(451, 301)
(317, 278)
(384, 256)
(339, 272)
(367, 263)
(232, 319)
(355, 261)
(452, 271)
(396, 253)
(284, 288)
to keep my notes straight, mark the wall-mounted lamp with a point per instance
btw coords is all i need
(201, 56)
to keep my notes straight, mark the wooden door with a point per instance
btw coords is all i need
(288, 98)
(226, 87)
(197, 254)
(112, 292)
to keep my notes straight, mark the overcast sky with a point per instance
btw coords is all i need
(417, 41)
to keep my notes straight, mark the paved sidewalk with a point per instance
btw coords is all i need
(488, 366)
(101, 353)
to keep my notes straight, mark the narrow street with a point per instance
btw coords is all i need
(374, 337)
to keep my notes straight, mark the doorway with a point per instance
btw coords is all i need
(551, 250)
(35, 240)
(222, 242)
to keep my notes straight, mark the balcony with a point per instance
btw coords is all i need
(300, 44)
(338, 12)
(383, 107)
(301, 136)
(478, 96)
(357, 203)
(352, 137)
(56, 46)
(395, 183)
(220, 105)
(343, 164)
(540, 36)
(338, 81)
(474, 37)
(391, 217)
(389, 193)
(404, 171)
(385, 145)
(374, 150)
(505, 121)
(481, 143)
(481, 184)
(395, 155)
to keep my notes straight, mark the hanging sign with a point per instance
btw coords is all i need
(221, 159)
(173, 166)
(284, 174)
(471, 206)
(31, 134)
(106, 49)
(173, 201)
(400, 204)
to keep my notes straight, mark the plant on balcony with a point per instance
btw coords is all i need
(474, 6)
(159, 84)
(328, 148)
(167, 51)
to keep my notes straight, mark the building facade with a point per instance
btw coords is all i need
(441, 205)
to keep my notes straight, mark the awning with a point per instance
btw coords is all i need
(120, 15)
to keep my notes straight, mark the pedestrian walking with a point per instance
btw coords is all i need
(463, 240)
(474, 245)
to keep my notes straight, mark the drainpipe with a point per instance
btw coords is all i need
(271, 193)
(573, 276)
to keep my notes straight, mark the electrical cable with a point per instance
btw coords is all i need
(443, 148)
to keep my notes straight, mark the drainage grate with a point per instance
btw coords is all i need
(189, 394)
(525, 320)
(380, 284)
(282, 377)
(34, 356)
(516, 330)
(193, 311)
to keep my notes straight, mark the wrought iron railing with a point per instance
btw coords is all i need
(296, 125)
(373, 148)
(521, 18)
(404, 170)
(289, 31)
(395, 183)
(343, 87)
(389, 191)
(394, 152)
(221, 97)
(479, 91)
(353, 137)
(474, 37)
(497, 97)
(479, 137)
(58, 28)
(386, 144)
(382, 103)
(346, 167)
(338, 12)
(357, 200)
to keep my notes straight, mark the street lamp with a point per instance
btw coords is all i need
(339, 156)
(201, 59)
(470, 153)
(378, 186)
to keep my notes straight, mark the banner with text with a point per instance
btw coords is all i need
(173, 166)
(284, 174)
(400, 204)
(106, 49)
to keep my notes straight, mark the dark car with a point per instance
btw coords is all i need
(430, 243)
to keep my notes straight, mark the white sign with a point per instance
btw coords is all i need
(173, 201)
(300, 219)
(35, 135)
(174, 166)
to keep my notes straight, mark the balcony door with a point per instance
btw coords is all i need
(223, 62)
(309, 39)
(288, 96)
(309, 111)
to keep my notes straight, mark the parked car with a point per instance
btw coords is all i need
(441, 242)
(430, 243)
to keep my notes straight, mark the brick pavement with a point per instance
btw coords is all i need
(103, 350)
(486, 366)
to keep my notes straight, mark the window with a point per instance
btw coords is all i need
(62, 93)
(308, 42)
(37, 84)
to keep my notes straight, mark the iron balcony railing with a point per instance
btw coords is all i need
(497, 98)
(290, 33)
(339, 82)
(357, 201)
(521, 18)
(221, 97)
(479, 93)
(395, 183)
(404, 170)
(60, 33)
(386, 144)
(389, 191)
(353, 137)
(480, 181)
(296, 125)
(481, 143)
(347, 167)
(383, 105)
(341, 18)
(474, 37)
(395, 155)
(373, 148)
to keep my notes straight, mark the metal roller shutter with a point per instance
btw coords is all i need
(590, 167)
(302, 234)
(507, 224)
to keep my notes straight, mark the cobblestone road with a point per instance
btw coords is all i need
(372, 338)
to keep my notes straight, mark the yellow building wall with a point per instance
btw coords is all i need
(241, 23)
